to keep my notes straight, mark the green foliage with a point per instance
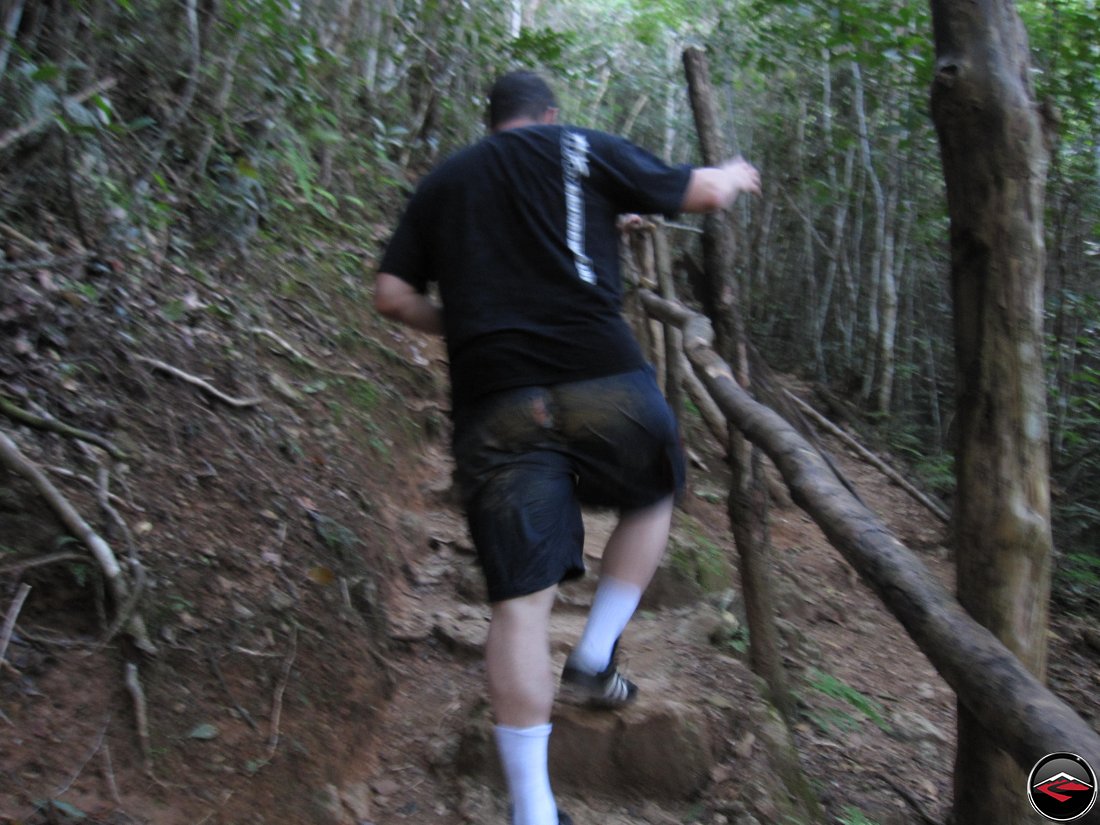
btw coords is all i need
(934, 469)
(700, 560)
(1074, 368)
(1081, 570)
(306, 130)
(58, 811)
(364, 394)
(834, 688)
(854, 816)
(881, 36)
(1067, 59)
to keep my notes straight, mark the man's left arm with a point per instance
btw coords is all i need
(398, 300)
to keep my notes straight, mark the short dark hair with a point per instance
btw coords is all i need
(519, 94)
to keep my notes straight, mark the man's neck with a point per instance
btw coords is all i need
(515, 123)
(547, 117)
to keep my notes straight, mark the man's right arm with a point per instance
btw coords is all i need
(711, 188)
(399, 300)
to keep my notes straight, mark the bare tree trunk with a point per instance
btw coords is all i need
(515, 22)
(11, 26)
(748, 496)
(887, 298)
(176, 118)
(674, 357)
(995, 166)
(841, 188)
(808, 264)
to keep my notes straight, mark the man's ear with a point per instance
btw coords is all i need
(549, 116)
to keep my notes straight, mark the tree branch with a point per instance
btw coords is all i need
(827, 425)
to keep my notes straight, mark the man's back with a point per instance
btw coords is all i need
(519, 232)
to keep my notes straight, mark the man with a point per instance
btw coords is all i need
(553, 402)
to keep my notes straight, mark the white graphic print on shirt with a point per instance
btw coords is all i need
(575, 166)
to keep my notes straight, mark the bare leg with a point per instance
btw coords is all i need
(521, 690)
(638, 543)
(517, 656)
(630, 559)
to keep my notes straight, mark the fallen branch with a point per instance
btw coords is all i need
(20, 238)
(827, 425)
(14, 460)
(202, 384)
(100, 739)
(244, 714)
(282, 342)
(712, 416)
(9, 619)
(909, 798)
(52, 425)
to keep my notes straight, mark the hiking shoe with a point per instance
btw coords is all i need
(607, 689)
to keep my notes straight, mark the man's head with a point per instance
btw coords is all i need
(521, 96)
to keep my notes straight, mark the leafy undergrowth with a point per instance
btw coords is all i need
(284, 452)
(268, 430)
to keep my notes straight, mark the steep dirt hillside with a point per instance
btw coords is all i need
(280, 504)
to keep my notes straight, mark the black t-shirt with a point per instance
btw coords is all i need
(519, 231)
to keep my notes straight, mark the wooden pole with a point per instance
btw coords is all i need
(748, 500)
(1017, 711)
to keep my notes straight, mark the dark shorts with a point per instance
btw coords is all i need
(528, 458)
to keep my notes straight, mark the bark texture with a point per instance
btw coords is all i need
(995, 162)
(748, 499)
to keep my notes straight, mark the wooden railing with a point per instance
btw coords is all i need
(1018, 712)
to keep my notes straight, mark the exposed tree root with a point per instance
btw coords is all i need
(202, 384)
(117, 500)
(14, 460)
(41, 423)
(297, 355)
(141, 715)
(9, 619)
(39, 561)
(277, 699)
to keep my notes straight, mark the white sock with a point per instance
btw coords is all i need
(612, 607)
(523, 754)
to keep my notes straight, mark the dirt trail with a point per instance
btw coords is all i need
(877, 721)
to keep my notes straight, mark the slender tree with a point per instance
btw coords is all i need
(995, 159)
(748, 500)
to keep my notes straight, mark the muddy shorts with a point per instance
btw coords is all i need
(528, 458)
